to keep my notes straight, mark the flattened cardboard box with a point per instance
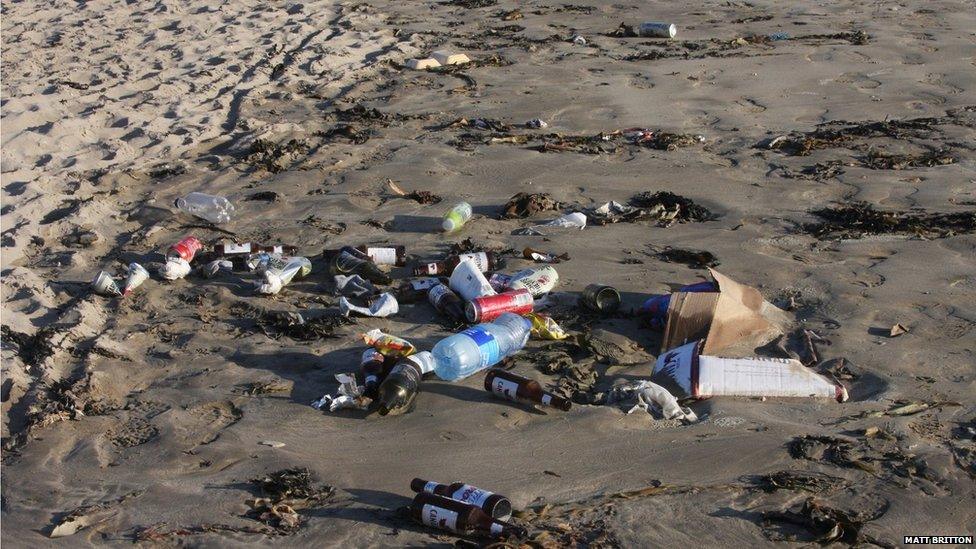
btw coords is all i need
(719, 318)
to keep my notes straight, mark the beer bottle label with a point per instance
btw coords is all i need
(490, 353)
(430, 487)
(480, 259)
(370, 355)
(437, 293)
(234, 248)
(432, 268)
(546, 399)
(371, 379)
(382, 256)
(423, 284)
(472, 495)
(504, 388)
(438, 517)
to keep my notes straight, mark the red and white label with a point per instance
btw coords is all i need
(504, 388)
(234, 248)
(438, 517)
(382, 256)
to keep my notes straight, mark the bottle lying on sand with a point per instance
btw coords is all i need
(372, 366)
(457, 217)
(399, 390)
(351, 261)
(228, 248)
(379, 254)
(511, 386)
(460, 518)
(414, 290)
(447, 302)
(215, 209)
(486, 262)
(538, 281)
(495, 505)
(282, 270)
(479, 347)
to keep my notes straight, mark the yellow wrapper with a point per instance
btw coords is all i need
(387, 344)
(544, 327)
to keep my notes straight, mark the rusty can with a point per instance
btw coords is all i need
(601, 298)
(489, 307)
(185, 249)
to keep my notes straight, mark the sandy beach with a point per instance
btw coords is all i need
(146, 416)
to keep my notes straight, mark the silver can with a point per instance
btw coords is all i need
(601, 298)
(657, 29)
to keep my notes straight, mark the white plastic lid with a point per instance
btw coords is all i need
(424, 360)
(448, 225)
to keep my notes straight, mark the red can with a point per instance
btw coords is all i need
(489, 307)
(186, 248)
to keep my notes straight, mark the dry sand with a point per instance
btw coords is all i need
(111, 111)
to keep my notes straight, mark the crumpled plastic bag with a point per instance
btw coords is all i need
(651, 394)
(575, 220)
(544, 327)
(350, 396)
(354, 286)
(213, 268)
(272, 284)
(387, 344)
(385, 305)
(175, 268)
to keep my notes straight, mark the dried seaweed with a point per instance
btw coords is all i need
(809, 481)
(271, 156)
(877, 160)
(860, 219)
(824, 524)
(820, 171)
(524, 205)
(32, 349)
(678, 208)
(347, 131)
(287, 484)
(841, 133)
(470, 4)
(264, 196)
(276, 324)
(166, 169)
(696, 259)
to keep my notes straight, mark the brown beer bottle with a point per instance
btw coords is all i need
(512, 386)
(228, 248)
(460, 518)
(486, 261)
(447, 302)
(495, 505)
(385, 255)
(414, 290)
(373, 367)
(397, 393)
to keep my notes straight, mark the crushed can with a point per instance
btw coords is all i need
(185, 249)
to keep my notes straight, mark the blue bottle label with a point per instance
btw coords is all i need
(487, 344)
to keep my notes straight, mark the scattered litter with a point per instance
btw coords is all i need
(280, 271)
(578, 40)
(528, 204)
(422, 197)
(457, 217)
(387, 344)
(349, 396)
(544, 327)
(700, 376)
(897, 330)
(544, 257)
(272, 443)
(175, 268)
(860, 219)
(104, 284)
(696, 259)
(673, 208)
(383, 306)
(652, 397)
(137, 275)
(601, 298)
(215, 209)
(447, 58)
(536, 124)
(537, 280)
(657, 29)
(824, 524)
(575, 220)
(353, 286)
(422, 64)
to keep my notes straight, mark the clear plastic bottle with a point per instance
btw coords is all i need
(215, 209)
(457, 217)
(479, 347)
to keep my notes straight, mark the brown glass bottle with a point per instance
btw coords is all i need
(374, 368)
(351, 261)
(414, 290)
(447, 302)
(486, 261)
(495, 505)
(461, 518)
(511, 386)
(385, 255)
(397, 393)
(227, 248)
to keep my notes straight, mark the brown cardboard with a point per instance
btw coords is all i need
(719, 318)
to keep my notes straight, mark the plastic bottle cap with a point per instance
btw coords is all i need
(448, 225)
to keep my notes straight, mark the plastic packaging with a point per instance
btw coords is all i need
(544, 327)
(480, 347)
(350, 396)
(650, 394)
(538, 281)
(174, 268)
(457, 217)
(469, 282)
(387, 344)
(384, 306)
(215, 209)
(137, 275)
(280, 271)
